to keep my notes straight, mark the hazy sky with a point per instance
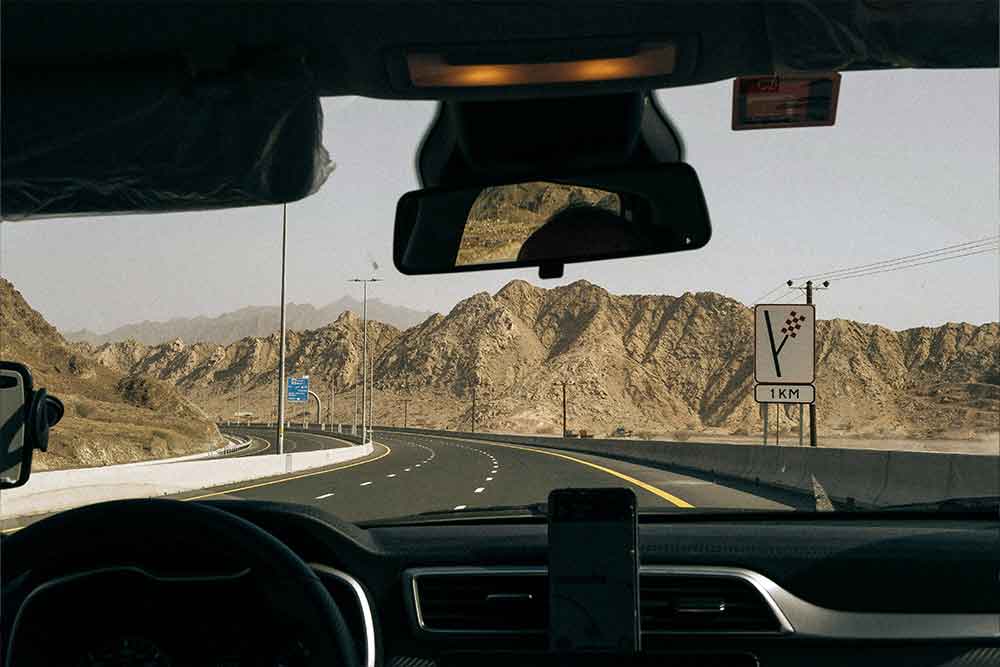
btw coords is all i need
(911, 165)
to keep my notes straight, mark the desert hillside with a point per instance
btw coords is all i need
(112, 416)
(651, 363)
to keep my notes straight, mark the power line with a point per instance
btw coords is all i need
(784, 296)
(916, 264)
(927, 254)
(764, 296)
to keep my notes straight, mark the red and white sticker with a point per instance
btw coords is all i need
(800, 100)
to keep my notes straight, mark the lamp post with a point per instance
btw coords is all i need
(365, 408)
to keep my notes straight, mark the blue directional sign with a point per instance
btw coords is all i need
(298, 389)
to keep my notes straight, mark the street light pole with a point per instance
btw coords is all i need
(319, 407)
(281, 354)
(371, 391)
(365, 420)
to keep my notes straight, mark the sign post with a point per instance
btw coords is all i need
(784, 368)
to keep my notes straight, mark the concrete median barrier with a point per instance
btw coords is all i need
(52, 491)
(863, 478)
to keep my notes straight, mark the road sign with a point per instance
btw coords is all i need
(298, 389)
(784, 393)
(784, 344)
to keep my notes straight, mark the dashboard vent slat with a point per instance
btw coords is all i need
(490, 602)
(692, 603)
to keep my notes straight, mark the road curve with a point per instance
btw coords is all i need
(410, 473)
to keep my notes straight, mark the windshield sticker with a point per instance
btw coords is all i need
(761, 102)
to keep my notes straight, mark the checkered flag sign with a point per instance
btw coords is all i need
(785, 338)
(793, 324)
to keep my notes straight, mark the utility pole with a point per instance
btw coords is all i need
(563, 384)
(281, 354)
(333, 396)
(406, 400)
(808, 288)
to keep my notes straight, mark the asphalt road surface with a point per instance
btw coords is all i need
(263, 441)
(409, 474)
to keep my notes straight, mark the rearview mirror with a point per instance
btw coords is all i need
(25, 418)
(550, 222)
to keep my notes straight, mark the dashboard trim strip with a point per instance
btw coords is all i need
(796, 616)
(363, 602)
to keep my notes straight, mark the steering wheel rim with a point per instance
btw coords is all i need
(150, 533)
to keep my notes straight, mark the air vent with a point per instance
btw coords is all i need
(487, 602)
(673, 599)
(685, 603)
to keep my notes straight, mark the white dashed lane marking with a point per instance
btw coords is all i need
(480, 489)
(391, 475)
(365, 483)
(325, 495)
(460, 507)
(489, 479)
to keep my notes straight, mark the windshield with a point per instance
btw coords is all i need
(161, 333)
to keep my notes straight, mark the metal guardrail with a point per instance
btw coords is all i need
(233, 447)
(850, 477)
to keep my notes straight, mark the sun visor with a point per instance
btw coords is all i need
(76, 143)
(866, 34)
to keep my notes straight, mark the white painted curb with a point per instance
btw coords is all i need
(56, 490)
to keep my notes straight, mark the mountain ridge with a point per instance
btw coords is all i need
(113, 414)
(656, 363)
(247, 321)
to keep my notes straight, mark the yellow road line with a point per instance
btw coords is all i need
(291, 479)
(669, 497)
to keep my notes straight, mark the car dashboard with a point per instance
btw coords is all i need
(715, 591)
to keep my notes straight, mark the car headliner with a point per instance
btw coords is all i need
(161, 105)
(348, 45)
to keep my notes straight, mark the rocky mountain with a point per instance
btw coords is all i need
(113, 414)
(504, 216)
(250, 321)
(242, 376)
(677, 365)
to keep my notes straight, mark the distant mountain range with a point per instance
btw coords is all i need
(654, 363)
(250, 321)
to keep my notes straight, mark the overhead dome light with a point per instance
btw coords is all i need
(432, 70)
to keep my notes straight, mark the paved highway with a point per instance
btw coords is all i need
(263, 441)
(409, 474)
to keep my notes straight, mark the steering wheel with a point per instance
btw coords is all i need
(165, 536)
